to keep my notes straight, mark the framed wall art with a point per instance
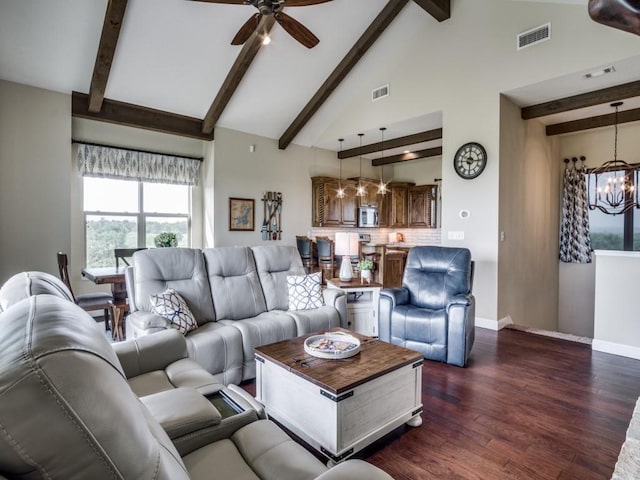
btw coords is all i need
(241, 214)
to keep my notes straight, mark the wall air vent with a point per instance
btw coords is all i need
(380, 92)
(534, 36)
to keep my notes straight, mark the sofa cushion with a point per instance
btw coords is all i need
(235, 286)
(305, 291)
(171, 305)
(268, 327)
(181, 269)
(274, 264)
(218, 460)
(218, 348)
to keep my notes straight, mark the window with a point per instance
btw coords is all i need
(129, 214)
(614, 232)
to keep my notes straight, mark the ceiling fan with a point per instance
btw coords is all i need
(274, 7)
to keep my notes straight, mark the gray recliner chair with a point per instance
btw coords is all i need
(434, 311)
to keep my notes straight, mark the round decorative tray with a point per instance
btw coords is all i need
(332, 345)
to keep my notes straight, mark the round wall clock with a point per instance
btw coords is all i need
(470, 160)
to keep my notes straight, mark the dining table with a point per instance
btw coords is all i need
(115, 277)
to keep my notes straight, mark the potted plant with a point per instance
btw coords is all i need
(365, 266)
(166, 239)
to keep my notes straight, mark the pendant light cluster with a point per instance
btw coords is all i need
(382, 187)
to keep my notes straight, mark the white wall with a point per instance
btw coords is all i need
(35, 146)
(449, 73)
(616, 326)
(244, 174)
(529, 210)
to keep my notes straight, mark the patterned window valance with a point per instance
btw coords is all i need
(120, 163)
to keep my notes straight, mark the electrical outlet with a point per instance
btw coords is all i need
(455, 235)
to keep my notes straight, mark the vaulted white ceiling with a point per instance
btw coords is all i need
(174, 55)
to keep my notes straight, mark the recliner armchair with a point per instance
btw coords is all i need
(434, 311)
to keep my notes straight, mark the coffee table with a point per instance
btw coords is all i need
(340, 406)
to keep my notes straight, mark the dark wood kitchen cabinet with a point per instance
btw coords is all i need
(398, 204)
(422, 207)
(328, 210)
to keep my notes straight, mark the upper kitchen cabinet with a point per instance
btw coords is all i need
(329, 210)
(398, 204)
(422, 206)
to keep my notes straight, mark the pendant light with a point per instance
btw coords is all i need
(360, 189)
(615, 182)
(340, 189)
(382, 186)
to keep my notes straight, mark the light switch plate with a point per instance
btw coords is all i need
(455, 235)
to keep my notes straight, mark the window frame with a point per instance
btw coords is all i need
(141, 216)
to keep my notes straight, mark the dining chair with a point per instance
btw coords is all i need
(326, 260)
(124, 254)
(89, 301)
(305, 249)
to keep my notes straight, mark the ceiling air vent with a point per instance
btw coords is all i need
(534, 36)
(380, 92)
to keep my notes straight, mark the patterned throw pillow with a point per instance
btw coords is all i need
(169, 304)
(304, 291)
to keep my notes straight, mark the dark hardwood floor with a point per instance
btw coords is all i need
(526, 407)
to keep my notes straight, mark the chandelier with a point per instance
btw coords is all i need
(612, 186)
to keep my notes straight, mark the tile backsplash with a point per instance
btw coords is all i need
(412, 236)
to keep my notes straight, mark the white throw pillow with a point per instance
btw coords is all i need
(305, 292)
(169, 304)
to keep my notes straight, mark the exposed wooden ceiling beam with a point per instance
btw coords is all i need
(237, 73)
(597, 97)
(438, 9)
(368, 38)
(625, 116)
(137, 116)
(405, 157)
(106, 50)
(421, 137)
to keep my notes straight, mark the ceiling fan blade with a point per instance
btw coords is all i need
(233, 2)
(297, 30)
(246, 30)
(303, 3)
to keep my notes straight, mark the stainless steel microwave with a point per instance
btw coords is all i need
(368, 217)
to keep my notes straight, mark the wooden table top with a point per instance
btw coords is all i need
(376, 358)
(104, 274)
(355, 283)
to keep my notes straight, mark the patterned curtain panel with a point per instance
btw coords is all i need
(119, 163)
(575, 241)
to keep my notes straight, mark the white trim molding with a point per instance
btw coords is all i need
(616, 348)
(493, 324)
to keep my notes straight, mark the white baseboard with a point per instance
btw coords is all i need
(616, 349)
(493, 324)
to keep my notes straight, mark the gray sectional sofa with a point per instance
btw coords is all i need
(238, 296)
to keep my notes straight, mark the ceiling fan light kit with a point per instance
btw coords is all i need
(273, 8)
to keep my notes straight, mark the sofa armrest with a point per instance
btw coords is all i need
(182, 411)
(389, 298)
(338, 299)
(354, 470)
(150, 352)
(461, 315)
(142, 320)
